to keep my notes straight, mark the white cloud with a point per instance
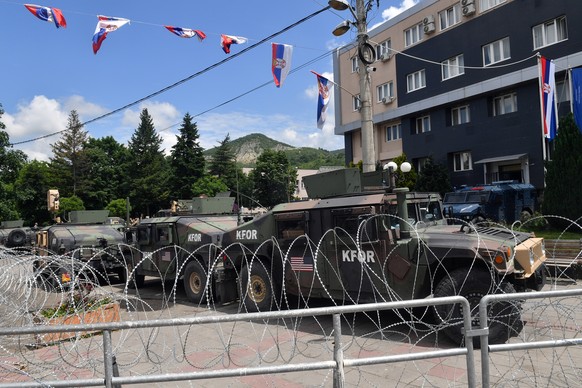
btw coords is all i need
(393, 11)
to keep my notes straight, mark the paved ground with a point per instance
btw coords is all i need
(307, 340)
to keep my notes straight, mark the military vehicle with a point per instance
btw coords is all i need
(352, 245)
(177, 243)
(14, 234)
(504, 201)
(94, 245)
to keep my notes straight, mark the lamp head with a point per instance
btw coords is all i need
(339, 5)
(341, 28)
(405, 167)
(391, 165)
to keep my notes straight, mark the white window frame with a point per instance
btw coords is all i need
(450, 16)
(422, 124)
(356, 103)
(462, 161)
(496, 52)
(488, 4)
(505, 104)
(355, 64)
(563, 92)
(460, 115)
(385, 90)
(415, 81)
(393, 132)
(453, 67)
(413, 35)
(384, 47)
(550, 32)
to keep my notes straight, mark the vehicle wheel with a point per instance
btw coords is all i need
(16, 238)
(478, 220)
(257, 293)
(525, 216)
(137, 280)
(195, 282)
(504, 317)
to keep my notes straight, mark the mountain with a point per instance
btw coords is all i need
(248, 148)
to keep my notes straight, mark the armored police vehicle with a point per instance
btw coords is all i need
(14, 234)
(504, 201)
(86, 243)
(371, 246)
(178, 242)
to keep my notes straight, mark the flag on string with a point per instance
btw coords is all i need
(577, 96)
(48, 14)
(323, 100)
(187, 33)
(227, 40)
(281, 62)
(106, 25)
(548, 101)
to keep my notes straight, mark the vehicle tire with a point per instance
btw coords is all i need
(16, 238)
(137, 280)
(504, 317)
(258, 294)
(525, 216)
(195, 278)
(478, 220)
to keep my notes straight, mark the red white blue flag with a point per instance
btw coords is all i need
(301, 263)
(227, 40)
(323, 100)
(48, 14)
(281, 63)
(105, 25)
(548, 100)
(187, 33)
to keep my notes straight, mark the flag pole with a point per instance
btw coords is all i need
(541, 94)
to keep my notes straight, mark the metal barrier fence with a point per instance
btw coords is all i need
(337, 364)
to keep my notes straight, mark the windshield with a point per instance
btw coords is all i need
(454, 197)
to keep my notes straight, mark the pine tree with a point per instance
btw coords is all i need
(223, 164)
(434, 177)
(186, 160)
(69, 163)
(148, 168)
(564, 176)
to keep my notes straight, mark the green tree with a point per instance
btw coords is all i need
(149, 168)
(273, 180)
(186, 160)
(69, 163)
(68, 204)
(117, 208)
(223, 164)
(564, 176)
(31, 187)
(11, 161)
(107, 161)
(209, 186)
(433, 177)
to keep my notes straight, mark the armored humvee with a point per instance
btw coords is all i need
(179, 241)
(87, 243)
(14, 234)
(370, 246)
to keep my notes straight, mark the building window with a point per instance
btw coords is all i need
(462, 161)
(496, 52)
(384, 50)
(488, 4)
(505, 104)
(460, 115)
(393, 132)
(385, 91)
(355, 64)
(550, 32)
(451, 16)
(453, 67)
(420, 163)
(415, 81)
(413, 35)
(356, 103)
(422, 125)
(562, 91)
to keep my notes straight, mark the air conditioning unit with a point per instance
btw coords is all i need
(465, 3)
(386, 56)
(387, 100)
(469, 9)
(429, 28)
(428, 19)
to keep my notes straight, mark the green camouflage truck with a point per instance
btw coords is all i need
(13, 234)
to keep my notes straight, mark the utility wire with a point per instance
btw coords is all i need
(160, 91)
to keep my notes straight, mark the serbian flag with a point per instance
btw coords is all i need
(187, 33)
(281, 64)
(323, 100)
(105, 25)
(548, 101)
(47, 14)
(227, 40)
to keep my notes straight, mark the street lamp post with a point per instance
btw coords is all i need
(366, 54)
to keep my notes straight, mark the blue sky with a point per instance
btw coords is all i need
(46, 72)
